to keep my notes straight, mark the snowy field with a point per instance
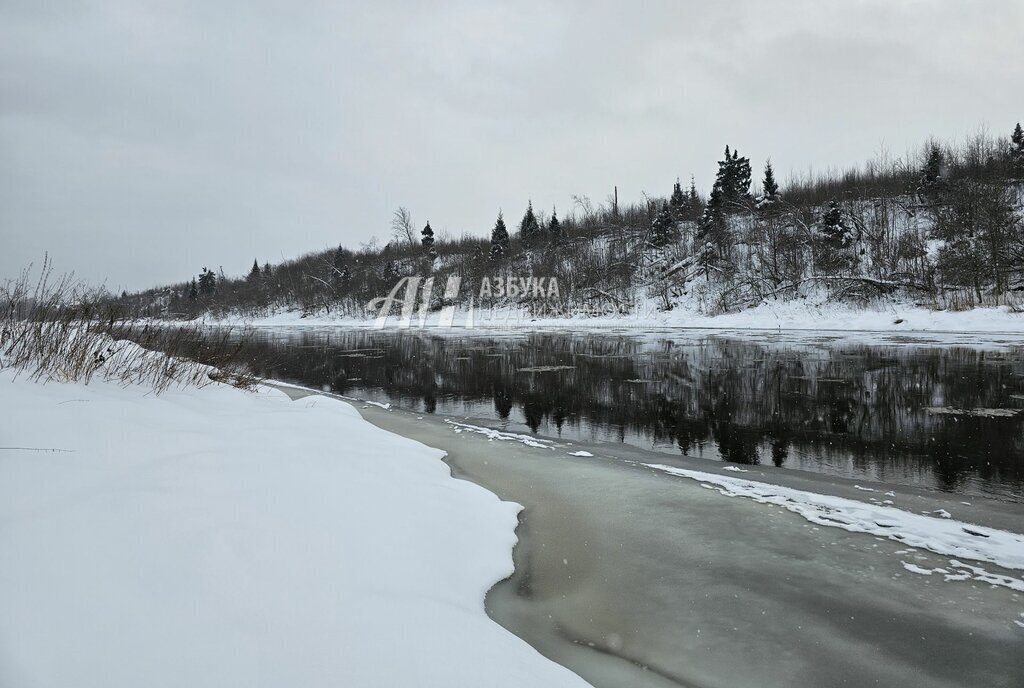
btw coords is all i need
(215, 537)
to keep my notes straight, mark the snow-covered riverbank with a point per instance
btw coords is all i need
(213, 537)
(787, 316)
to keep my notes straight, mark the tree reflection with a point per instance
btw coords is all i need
(853, 409)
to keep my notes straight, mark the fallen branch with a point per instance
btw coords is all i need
(599, 292)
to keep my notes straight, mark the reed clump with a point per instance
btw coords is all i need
(53, 328)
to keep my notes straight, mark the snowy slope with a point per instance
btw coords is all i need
(217, 538)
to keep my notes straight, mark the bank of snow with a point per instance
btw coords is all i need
(214, 537)
(788, 316)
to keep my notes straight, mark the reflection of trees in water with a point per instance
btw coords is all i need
(748, 402)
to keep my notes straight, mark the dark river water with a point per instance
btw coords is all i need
(890, 412)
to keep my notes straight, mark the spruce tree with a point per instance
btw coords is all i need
(678, 200)
(932, 181)
(726, 175)
(833, 255)
(207, 282)
(663, 227)
(713, 212)
(338, 266)
(769, 187)
(499, 239)
(266, 270)
(1017, 151)
(428, 238)
(694, 205)
(254, 273)
(529, 228)
(733, 180)
(193, 291)
(554, 228)
(834, 229)
(713, 230)
(740, 190)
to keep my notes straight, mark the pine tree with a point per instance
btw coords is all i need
(769, 187)
(193, 291)
(254, 274)
(428, 238)
(529, 228)
(663, 227)
(499, 239)
(266, 271)
(554, 228)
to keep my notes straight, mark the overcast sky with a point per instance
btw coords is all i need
(140, 141)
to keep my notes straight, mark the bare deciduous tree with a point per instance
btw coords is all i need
(401, 226)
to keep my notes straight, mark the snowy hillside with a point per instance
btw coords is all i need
(942, 233)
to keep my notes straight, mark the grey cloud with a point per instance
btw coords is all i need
(141, 141)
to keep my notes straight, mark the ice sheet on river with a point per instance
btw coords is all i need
(944, 536)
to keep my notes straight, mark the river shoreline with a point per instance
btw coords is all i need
(803, 317)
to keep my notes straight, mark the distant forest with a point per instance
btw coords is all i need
(943, 228)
